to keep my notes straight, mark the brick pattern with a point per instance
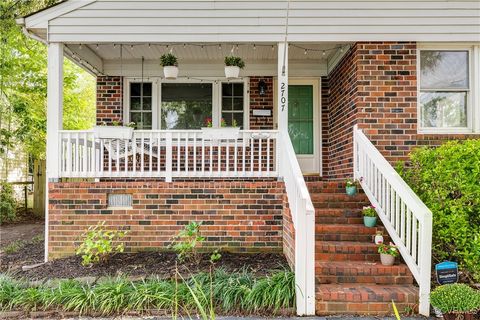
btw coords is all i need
(375, 85)
(264, 102)
(239, 216)
(288, 234)
(349, 277)
(109, 99)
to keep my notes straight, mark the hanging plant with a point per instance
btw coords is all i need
(232, 66)
(170, 65)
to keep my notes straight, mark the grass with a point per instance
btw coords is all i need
(17, 245)
(203, 294)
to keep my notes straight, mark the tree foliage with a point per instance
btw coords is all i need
(23, 84)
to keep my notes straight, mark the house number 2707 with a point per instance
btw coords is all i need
(283, 99)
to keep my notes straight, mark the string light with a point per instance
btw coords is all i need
(219, 47)
(305, 52)
(149, 46)
(254, 47)
(324, 52)
(114, 45)
(81, 46)
(96, 47)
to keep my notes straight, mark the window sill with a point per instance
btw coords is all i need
(438, 131)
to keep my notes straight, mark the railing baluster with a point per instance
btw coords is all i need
(69, 154)
(203, 156)
(260, 154)
(102, 155)
(151, 153)
(235, 157)
(268, 155)
(219, 152)
(142, 153)
(186, 151)
(159, 141)
(252, 150)
(134, 151)
(227, 161)
(126, 142)
(195, 152)
(243, 153)
(118, 157)
(178, 151)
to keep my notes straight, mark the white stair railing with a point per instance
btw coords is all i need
(405, 217)
(303, 217)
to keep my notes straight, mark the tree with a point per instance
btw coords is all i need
(23, 85)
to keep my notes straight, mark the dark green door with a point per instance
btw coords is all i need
(300, 118)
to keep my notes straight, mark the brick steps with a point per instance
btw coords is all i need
(346, 251)
(345, 232)
(361, 272)
(349, 276)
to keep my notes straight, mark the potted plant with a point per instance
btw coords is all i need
(388, 253)
(232, 66)
(114, 131)
(456, 301)
(351, 187)
(224, 132)
(369, 216)
(170, 66)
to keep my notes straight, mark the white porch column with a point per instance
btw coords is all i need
(54, 108)
(282, 83)
(54, 121)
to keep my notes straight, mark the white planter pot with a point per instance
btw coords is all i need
(387, 260)
(220, 133)
(378, 239)
(170, 72)
(232, 72)
(113, 132)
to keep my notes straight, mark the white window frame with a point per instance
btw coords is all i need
(473, 92)
(155, 98)
(216, 97)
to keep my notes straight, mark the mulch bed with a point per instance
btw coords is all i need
(136, 265)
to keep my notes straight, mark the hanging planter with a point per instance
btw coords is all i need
(233, 66)
(114, 131)
(170, 66)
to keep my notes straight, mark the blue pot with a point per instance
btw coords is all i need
(351, 191)
(370, 221)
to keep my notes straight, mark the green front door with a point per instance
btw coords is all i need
(300, 118)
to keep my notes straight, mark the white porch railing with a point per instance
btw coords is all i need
(405, 217)
(168, 154)
(303, 216)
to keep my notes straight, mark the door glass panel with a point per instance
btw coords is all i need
(300, 118)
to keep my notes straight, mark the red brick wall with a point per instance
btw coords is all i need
(109, 99)
(243, 216)
(288, 234)
(341, 114)
(261, 102)
(375, 85)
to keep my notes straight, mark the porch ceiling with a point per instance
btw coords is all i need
(212, 51)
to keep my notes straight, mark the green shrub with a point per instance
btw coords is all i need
(8, 204)
(447, 179)
(98, 244)
(168, 60)
(455, 298)
(238, 292)
(186, 243)
(231, 61)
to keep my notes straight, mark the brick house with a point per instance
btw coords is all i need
(331, 90)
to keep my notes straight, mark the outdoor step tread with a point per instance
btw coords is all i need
(345, 246)
(359, 292)
(360, 268)
(336, 228)
(329, 196)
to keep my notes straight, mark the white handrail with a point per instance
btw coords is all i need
(405, 217)
(303, 217)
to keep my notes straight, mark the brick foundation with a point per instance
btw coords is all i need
(238, 216)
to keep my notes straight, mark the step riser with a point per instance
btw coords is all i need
(338, 205)
(374, 257)
(372, 308)
(387, 280)
(344, 237)
(339, 213)
(338, 220)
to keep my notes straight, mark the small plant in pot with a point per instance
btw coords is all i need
(456, 301)
(369, 216)
(351, 187)
(232, 66)
(170, 65)
(388, 253)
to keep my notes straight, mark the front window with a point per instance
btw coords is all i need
(141, 105)
(232, 104)
(444, 89)
(186, 105)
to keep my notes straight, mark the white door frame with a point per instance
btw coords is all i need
(317, 121)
